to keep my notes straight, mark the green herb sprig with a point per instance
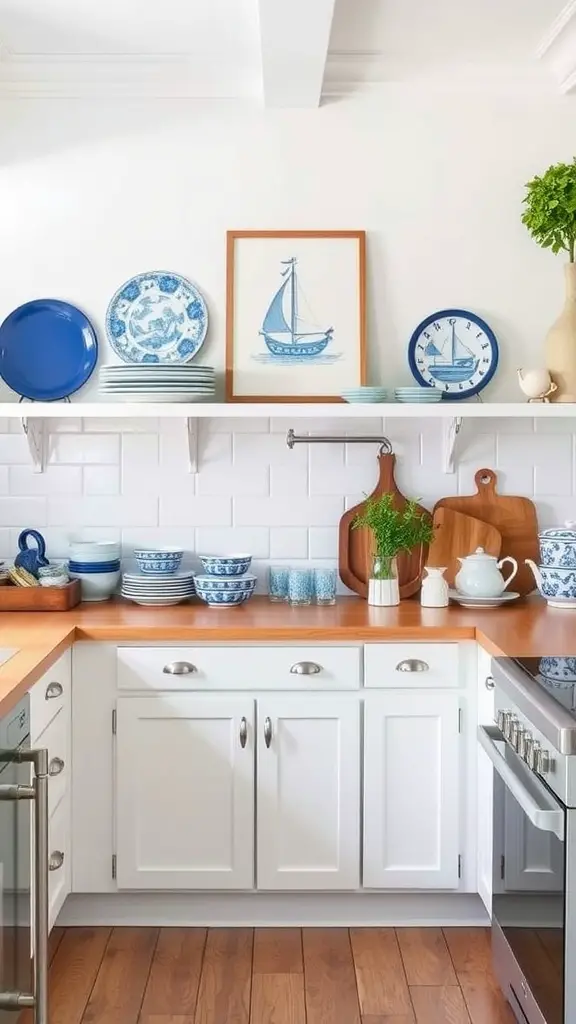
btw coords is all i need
(394, 530)
(550, 213)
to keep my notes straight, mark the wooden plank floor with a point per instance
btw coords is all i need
(274, 976)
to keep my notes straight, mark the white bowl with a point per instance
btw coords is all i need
(97, 586)
(94, 551)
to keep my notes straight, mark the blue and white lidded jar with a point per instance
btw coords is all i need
(558, 547)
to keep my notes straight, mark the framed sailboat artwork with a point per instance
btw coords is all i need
(295, 316)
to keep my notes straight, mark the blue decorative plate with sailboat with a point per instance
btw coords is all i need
(454, 351)
(157, 318)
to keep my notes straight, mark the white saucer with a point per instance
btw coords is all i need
(482, 602)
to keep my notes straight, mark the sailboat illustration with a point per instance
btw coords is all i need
(284, 331)
(458, 364)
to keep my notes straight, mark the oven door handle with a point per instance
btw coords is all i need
(537, 803)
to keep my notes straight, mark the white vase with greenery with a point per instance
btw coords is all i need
(393, 530)
(550, 217)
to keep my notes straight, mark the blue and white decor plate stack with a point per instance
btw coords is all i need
(150, 590)
(364, 395)
(157, 382)
(157, 317)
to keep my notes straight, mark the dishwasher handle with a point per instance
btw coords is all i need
(535, 800)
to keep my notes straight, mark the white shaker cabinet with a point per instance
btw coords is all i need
(411, 790)
(308, 792)
(185, 792)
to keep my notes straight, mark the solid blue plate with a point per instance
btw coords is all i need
(48, 349)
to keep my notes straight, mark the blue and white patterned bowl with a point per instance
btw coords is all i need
(159, 561)
(219, 591)
(557, 582)
(225, 565)
(562, 671)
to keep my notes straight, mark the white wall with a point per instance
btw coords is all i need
(91, 193)
(129, 480)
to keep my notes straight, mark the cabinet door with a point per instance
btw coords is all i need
(411, 770)
(185, 792)
(485, 775)
(308, 792)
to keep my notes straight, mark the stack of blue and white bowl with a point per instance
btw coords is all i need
(364, 395)
(158, 583)
(97, 565)
(226, 581)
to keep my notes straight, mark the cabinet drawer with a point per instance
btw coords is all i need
(239, 668)
(414, 665)
(56, 739)
(49, 695)
(59, 853)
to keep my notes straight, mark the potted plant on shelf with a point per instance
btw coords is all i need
(393, 530)
(550, 217)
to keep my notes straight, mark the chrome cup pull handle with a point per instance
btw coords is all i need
(56, 766)
(179, 668)
(56, 860)
(306, 668)
(412, 665)
(268, 732)
(243, 732)
(53, 690)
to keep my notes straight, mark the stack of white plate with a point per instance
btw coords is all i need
(419, 395)
(156, 591)
(157, 382)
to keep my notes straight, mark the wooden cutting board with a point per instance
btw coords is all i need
(457, 535)
(355, 547)
(514, 517)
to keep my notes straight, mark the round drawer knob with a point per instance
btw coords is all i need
(56, 860)
(53, 690)
(56, 766)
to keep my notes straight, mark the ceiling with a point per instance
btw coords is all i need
(284, 49)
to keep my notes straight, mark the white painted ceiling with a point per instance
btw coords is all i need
(215, 47)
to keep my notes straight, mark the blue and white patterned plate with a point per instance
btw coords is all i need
(157, 318)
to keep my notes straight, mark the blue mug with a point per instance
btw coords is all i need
(31, 558)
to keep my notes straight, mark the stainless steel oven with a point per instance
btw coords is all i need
(23, 892)
(532, 748)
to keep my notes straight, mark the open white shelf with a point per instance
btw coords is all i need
(326, 410)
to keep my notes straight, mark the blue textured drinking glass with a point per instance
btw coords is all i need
(278, 582)
(325, 586)
(300, 586)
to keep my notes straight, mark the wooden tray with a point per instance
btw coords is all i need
(39, 599)
(457, 535)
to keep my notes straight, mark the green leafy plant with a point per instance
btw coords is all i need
(550, 213)
(394, 530)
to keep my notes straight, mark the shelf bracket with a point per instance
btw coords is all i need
(192, 436)
(451, 427)
(37, 436)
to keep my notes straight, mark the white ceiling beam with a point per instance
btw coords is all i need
(294, 37)
(557, 48)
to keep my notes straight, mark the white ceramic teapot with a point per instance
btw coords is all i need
(480, 575)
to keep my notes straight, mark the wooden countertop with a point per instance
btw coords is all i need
(528, 629)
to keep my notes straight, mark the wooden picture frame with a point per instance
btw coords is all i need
(258, 357)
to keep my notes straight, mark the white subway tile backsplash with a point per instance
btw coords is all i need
(23, 481)
(102, 480)
(102, 511)
(100, 449)
(288, 542)
(131, 479)
(182, 510)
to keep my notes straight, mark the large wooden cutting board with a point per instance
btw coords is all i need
(514, 517)
(355, 547)
(457, 535)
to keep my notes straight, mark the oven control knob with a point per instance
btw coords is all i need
(526, 754)
(534, 755)
(543, 762)
(503, 721)
(522, 740)
(512, 730)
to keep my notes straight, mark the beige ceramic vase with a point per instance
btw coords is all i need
(561, 343)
